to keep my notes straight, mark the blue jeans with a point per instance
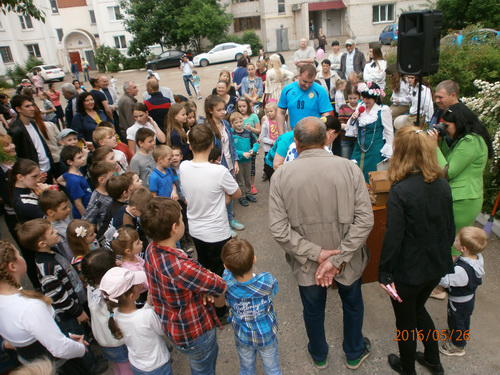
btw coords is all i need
(202, 353)
(347, 147)
(459, 321)
(86, 75)
(268, 355)
(118, 354)
(314, 302)
(166, 369)
(187, 81)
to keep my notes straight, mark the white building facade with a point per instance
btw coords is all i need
(73, 29)
(282, 23)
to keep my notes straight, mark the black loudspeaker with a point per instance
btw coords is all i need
(418, 42)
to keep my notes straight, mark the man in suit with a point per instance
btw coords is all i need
(26, 136)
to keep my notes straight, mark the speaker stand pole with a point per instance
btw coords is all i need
(419, 80)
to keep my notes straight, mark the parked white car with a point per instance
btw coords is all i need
(221, 53)
(48, 72)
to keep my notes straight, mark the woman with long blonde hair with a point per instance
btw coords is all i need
(276, 78)
(416, 250)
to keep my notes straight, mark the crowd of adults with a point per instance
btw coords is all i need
(437, 174)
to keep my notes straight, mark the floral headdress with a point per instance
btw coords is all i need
(371, 89)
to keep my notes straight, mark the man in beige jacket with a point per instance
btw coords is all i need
(320, 214)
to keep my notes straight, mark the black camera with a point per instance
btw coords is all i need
(441, 129)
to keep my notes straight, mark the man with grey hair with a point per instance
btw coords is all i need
(322, 220)
(69, 92)
(126, 105)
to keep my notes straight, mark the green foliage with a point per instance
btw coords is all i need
(486, 105)
(107, 57)
(250, 37)
(4, 84)
(32, 62)
(173, 23)
(25, 7)
(17, 73)
(136, 62)
(113, 66)
(459, 13)
(468, 62)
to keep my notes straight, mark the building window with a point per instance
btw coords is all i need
(383, 13)
(26, 22)
(33, 50)
(114, 13)
(92, 17)
(6, 55)
(281, 6)
(53, 6)
(120, 41)
(60, 34)
(246, 23)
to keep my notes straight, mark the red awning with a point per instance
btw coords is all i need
(326, 5)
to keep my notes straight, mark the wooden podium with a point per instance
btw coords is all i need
(374, 243)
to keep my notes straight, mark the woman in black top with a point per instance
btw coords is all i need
(415, 254)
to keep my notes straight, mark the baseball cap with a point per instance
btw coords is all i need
(118, 280)
(350, 42)
(65, 132)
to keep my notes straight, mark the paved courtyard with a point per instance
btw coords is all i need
(379, 324)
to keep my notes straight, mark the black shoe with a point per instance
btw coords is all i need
(395, 363)
(434, 369)
(100, 365)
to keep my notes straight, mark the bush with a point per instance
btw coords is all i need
(137, 62)
(17, 74)
(468, 62)
(250, 37)
(486, 105)
(5, 84)
(32, 62)
(107, 58)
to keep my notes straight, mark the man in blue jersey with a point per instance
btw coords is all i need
(302, 98)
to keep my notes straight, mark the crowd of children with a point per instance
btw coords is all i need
(119, 270)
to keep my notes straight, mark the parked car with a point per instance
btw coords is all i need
(222, 53)
(167, 59)
(48, 72)
(389, 34)
(477, 36)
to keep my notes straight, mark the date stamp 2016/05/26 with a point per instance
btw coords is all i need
(435, 335)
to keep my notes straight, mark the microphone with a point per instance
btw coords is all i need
(361, 109)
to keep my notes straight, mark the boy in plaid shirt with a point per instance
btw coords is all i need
(251, 308)
(181, 288)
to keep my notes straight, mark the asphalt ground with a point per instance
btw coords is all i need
(379, 323)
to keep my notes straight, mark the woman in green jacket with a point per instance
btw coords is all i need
(463, 158)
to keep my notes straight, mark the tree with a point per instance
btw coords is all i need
(202, 19)
(25, 7)
(457, 14)
(172, 23)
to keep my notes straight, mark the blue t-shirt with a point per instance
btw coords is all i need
(161, 183)
(280, 147)
(300, 103)
(77, 188)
